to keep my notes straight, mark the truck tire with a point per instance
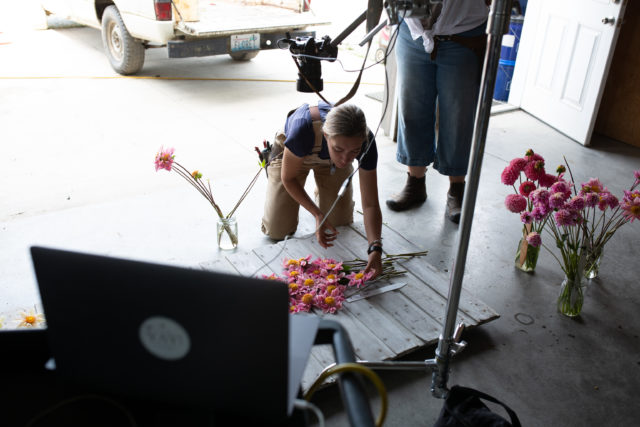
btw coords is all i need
(244, 56)
(125, 53)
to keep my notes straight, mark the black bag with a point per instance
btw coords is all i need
(463, 408)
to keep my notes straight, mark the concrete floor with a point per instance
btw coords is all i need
(77, 174)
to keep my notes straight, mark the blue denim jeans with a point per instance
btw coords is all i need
(452, 80)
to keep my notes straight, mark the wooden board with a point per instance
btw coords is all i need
(382, 327)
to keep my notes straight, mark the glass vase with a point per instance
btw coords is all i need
(526, 256)
(227, 233)
(571, 297)
(592, 263)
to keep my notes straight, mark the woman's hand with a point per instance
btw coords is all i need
(326, 234)
(374, 264)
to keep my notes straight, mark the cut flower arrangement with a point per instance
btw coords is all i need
(323, 282)
(580, 221)
(165, 159)
(529, 174)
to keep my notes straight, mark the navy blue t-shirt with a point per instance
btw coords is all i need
(301, 138)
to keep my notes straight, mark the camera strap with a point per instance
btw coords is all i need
(357, 82)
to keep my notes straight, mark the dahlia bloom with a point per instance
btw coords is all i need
(631, 205)
(556, 200)
(547, 180)
(526, 188)
(526, 217)
(539, 196)
(515, 203)
(509, 175)
(164, 159)
(576, 203)
(534, 239)
(535, 170)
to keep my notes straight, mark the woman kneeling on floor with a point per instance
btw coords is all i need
(326, 140)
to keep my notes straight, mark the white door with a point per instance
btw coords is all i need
(563, 61)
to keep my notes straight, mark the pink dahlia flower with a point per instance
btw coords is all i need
(631, 206)
(576, 203)
(358, 279)
(509, 175)
(164, 159)
(561, 187)
(540, 196)
(547, 180)
(556, 200)
(564, 217)
(535, 170)
(518, 164)
(328, 303)
(591, 199)
(593, 185)
(526, 188)
(515, 203)
(607, 200)
(539, 212)
(534, 239)
(526, 217)
(533, 157)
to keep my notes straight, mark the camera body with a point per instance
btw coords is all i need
(308, 52)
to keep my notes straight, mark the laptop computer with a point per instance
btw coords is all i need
(172, 334)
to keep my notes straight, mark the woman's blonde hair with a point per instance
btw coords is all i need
(346, 120)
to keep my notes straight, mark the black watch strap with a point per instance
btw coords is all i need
(375, 247)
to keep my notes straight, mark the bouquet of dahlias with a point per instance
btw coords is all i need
(322, 283)
(530, 183)
(580, 232)
(165, 159)
(604, 214)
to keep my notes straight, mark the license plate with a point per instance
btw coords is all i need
(245, 42)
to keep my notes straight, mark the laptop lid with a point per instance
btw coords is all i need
(167, 333)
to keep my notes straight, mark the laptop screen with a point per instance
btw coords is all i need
(166, 333)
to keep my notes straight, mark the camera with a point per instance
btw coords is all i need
(307, 52)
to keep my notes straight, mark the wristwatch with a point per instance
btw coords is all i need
(375, 246)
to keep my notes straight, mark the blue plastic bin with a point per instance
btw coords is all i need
(508, 55)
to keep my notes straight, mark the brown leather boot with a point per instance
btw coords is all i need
(454, 201)
(413, 194)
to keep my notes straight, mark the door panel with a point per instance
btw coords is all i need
(567, 45)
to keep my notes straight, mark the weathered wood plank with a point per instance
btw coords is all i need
(220, 265)
(248, 263)
(429, 307)
(431, 303)
(272, 256)
(478, 311)
(395, 243)
(409, 314)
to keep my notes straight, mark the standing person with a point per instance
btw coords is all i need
(326, 140)
(439, 67)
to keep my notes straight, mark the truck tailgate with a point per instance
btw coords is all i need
(222, 18)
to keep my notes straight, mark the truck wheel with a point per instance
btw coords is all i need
(125, 53)
(244, 56)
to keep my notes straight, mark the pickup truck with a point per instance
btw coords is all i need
(187, 28)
